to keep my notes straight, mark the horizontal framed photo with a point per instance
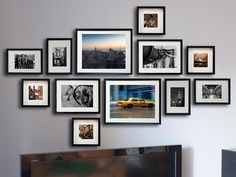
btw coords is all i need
(24, 61)
(35, 92)
(177, 97)
(200, 60)
(133, 101)
(160, 56)
(212, 91)
(151, 20)
(77, 95)
(104, 51)
(59, 53)
(85, 132)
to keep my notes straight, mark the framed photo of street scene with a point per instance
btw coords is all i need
(35, 92)
(77, 95)
(59, 54)
(200, 60)
(85, 132)
(177, 97)
(212, 91)
(24, 61)
(104, 51)
(151, 20)
(132, 101)
(160, 56)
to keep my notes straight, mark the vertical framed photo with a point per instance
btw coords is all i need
(151, 20)
(24, 61)
(85, 132)
(77, 95)
(200, 60)
(35, 92)
(133, 101)
(59, 53)
(160, 56)
(212, 91)
(177, 97)
(104, 51)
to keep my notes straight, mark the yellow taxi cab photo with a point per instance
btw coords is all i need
(135, 102)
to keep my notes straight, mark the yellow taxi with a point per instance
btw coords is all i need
(135, 102)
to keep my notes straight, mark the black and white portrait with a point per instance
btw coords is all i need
(23, 61)
(212, 91)
(59, 56)
(86, 131)
(150, 20)
(177, 97)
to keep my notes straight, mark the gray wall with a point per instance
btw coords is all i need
(26, 23)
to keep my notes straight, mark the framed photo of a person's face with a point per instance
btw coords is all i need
(85, 132)
(77, 95)
(212, 91)
(59, 54)
(177, 97)
(151, 20)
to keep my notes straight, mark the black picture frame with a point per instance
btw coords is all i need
(203, 67)
(212, 92)
(180, 106)
(163, 19)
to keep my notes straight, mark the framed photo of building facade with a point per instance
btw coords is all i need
(200, 60)
(151, 20)
(177, 97)
(212, 91)
(35, 92)
(160, 56)
(85, 132)
(24, 61)
(77, 95)
(59, 53)
(104, 51)
(132, 101)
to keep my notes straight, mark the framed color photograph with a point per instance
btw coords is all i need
(85, 132)
(200, 60)
(151, 20)
(24, 61)
(212, 91)
(160, 56)
(35, 92)
(177, 96)
(133, 101)
(104, 51)
(77, 95)
(59, 53)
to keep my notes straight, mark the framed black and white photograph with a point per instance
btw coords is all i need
(132, 101)
(35, 92)
(160, 56)
(212, 91)
(24, 61)
(59, 54)
(200, 60)
(104, 51)
(77, 95)
(85, 132)
(177, 97)
(151, 20)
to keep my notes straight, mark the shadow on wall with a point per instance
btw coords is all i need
(187, 162)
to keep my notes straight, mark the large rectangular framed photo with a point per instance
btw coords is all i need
(212, 91)
(104, 51)
(133, 101)
(77, 95)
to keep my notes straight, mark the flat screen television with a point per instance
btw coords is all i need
(156, 161)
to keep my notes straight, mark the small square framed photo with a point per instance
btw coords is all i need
(85, 132)
(104, 51)
(200, 60)
(59, 53)
(160, 56)
(177, 97)
(132, 101)
(24, 61)
(77, 95)
(151, 20)
(212, 91)
(35, 92)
